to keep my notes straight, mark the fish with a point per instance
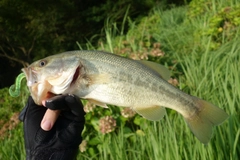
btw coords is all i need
(109, 79)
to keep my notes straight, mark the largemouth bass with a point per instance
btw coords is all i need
(105, 78)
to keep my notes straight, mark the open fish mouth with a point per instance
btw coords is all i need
(30, 75)
(75, 76)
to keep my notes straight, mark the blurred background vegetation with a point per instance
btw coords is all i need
(198, 40)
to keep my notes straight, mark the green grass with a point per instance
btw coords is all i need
(206, 67)
(12, 147)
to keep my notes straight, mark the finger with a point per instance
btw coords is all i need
(57, 103)
(49, 95)
(65, 102)
(49, 119)
(75, 105)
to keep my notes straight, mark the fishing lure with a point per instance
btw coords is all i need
(16, 86)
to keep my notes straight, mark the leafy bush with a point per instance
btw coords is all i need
(222, 25)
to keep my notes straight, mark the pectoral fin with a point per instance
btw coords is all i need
(98, 78)
(153, 113)
(98, 103)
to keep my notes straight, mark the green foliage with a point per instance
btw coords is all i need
(12, 144)
(9, 105)
(56, 27)
(198, 7)
(222, 23)
(98, 127)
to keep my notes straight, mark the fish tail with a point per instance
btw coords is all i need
(202, 122)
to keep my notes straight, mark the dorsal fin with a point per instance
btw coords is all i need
(160, 69)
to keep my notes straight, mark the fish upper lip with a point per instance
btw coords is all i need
(30, 75)
(33, 71)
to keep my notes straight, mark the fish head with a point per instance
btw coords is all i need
(51, 75)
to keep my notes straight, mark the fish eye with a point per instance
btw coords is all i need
(42, 63)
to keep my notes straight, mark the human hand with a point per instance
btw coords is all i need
(62, 141)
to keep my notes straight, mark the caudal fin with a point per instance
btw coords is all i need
(202, 122)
